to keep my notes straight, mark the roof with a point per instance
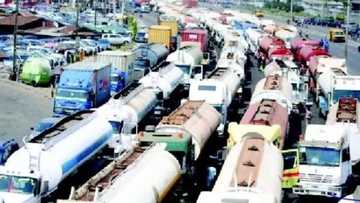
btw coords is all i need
(23, 19)
(324, 133)
(160, 27)
(86, 65)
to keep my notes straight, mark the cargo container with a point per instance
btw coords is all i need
(194, 37)
(122, 68)
(160, 34)
(171, 22)
(190, 3)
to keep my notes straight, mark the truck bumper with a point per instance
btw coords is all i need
(309, 189)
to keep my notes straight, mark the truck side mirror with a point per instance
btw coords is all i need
(31, 128)
(45, 187)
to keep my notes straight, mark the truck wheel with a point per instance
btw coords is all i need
(34, 84)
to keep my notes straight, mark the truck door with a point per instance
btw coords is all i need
(291, 168)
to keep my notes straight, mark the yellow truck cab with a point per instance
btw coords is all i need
(336, 35)
(291, 168)
(259, 13)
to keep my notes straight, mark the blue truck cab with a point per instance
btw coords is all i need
(118, 80)
(82, 85)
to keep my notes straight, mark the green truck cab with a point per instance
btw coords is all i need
(36, 71)
(178, 144)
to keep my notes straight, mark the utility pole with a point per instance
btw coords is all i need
(291, 10)
(95, 5)
(347, 28)
(77, 24)
(15, 68)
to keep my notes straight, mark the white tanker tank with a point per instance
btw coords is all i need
(252, 172)
(35, 170)
(134, 106)
(186, 58)
(274, 87)
(130, 178)
(195, 118)
(139, 184)
(166, 79)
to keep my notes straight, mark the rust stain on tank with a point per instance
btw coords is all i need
(273, 82)
(346, 111)
(182, 114)
(250, 160)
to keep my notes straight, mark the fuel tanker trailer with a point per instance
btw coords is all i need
(33, 172)
(130, 178)
(195, 118)
(274, 87)
(252, 172)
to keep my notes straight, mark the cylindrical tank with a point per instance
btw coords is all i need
(139, 184)
(273, 87)
(186, 56)
(77, 144)
(269, 113)
(306, 52)
(196, 118)
(280, 52)
(319, 64)
(268, 42)
(298, 43)
(286, 34)
(254, 165)
(130, 109)
(166, 79)
(153, 52)
(326, 79)
(230, 77)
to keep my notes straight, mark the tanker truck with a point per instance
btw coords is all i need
(35, 171)
(333, 84)
(325, 163)
(147, 57)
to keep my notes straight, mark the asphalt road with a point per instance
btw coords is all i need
(21, 106)
(338, 49)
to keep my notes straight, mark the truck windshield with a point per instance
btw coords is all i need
(345, 93)
(17, 184)
(319, 156)
(72, 94)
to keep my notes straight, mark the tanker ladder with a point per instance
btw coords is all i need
(90, 190)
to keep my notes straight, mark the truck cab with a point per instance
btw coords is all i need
(335, 88)
(21, 186)
(118, 80)
(214, 93)
(82, 85)
(325, 165)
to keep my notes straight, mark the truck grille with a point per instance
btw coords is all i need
(317, 178)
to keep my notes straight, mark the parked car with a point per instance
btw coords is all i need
(118, 39)
(7, 147)
(43, 125)
(92, 43)
(104, 44)
(89, 47)
(55, 59)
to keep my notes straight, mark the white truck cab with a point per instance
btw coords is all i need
(214, 93)
(325, 165)
(21, 186)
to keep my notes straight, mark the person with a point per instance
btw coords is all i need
(326, 44)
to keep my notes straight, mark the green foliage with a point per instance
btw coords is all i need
(277, 5)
